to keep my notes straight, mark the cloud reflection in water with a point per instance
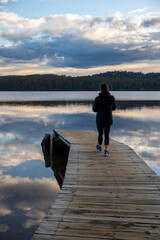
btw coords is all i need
(27, 189)
(24, 204)
(139, 127)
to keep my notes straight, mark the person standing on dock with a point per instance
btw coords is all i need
(103, 105)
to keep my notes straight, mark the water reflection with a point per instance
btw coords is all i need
(140, 129)
(27, 189)
(23, 205)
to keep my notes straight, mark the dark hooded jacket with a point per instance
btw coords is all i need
(104, 104)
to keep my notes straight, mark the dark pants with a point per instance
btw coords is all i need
(103, 128)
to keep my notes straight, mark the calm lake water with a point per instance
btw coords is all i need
(76, 96)
(27, 188)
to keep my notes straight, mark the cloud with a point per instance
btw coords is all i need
(12, 20)
(3, 228)
(4, 209)
(6, 1)
(153, 22)
(142, 114)
(79, 42)
(134, 128)
(19, 153)
(32, 197)
(13, 36)
(79, 53)
(140, 10)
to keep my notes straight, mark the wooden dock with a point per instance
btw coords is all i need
(115, 197)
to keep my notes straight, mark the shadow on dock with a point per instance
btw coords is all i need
(55, 153)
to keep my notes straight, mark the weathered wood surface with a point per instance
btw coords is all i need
(115, 197)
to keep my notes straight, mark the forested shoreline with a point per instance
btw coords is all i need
(117, 80)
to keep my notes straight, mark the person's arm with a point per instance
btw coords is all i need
(95, 105)
(114, 104)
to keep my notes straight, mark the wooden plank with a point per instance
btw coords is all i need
(115, 197)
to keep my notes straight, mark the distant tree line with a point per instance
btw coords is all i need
(117, 80)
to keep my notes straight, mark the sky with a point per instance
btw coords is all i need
(77, 38)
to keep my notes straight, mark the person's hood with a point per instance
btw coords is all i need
(104, 94)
